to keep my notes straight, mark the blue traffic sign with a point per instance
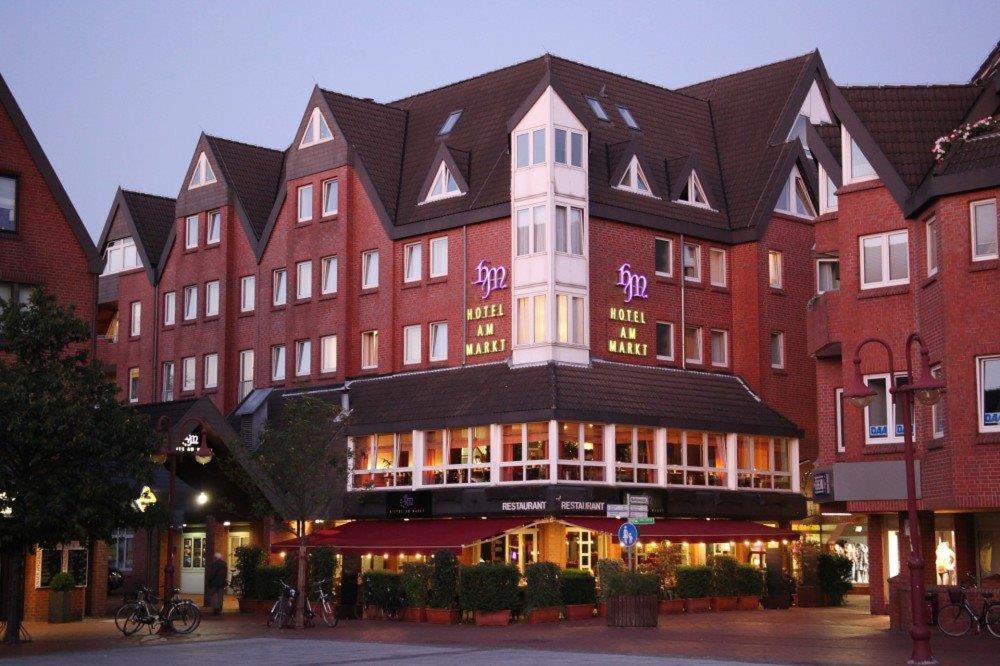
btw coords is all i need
(628, 534)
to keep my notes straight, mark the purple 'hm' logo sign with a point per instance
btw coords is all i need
(490, 278)
(633, 285)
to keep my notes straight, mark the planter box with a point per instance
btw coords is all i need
(374, 613)
(443, 615)
(632, 611)
(781, 601)
(61, 606)
(720, 604)
(698, 605)
(500, 618)
(748, 603)
(414, 614)
(256, 606)
(809, 596)
(579, 611)
(671, 606)
(602, 609)
(541, 615)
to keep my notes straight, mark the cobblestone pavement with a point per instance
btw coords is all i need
(846, 635)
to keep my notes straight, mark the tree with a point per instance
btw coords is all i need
(72, 457)
(299, 469)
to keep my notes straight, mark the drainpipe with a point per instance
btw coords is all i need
(683, 335)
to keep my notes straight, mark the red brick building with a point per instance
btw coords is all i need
(43, 243)
(907, 242)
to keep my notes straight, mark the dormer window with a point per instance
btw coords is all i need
(634, 180)
(794, 198)
(693, 193)
(203, 174)
(598, 110)
(627, 117)
(449, 123)
(444, 185)
(120, 255)
(317, 131)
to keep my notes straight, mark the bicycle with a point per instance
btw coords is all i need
(327, 610)
(958, 617)
(284, 608)
(179, 615)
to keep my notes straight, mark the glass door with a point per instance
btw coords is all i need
(236, 540)
(521, 547)
(193, 563)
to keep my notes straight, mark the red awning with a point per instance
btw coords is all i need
(409, 536)
(696, 530)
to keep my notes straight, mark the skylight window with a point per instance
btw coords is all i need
(203, 174)
(598, 110)
(634, 180)
(317, 131)
(693, 193)
(444, 185)
(627, 117)
(449, 123)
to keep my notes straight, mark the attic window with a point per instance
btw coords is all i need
(693, 193)
(634, 180)
(203, 174)
(794, 198)
(598, 110)
(627, 117)
(449, 123)
(317, 131)
(444, 185)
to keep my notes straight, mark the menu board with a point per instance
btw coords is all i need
(51, 565)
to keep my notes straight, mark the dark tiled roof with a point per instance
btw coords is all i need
(745, 108)
(830, 135)
(604, 391)
(153, 216)
(254, 174)
(977, 153)
(906, 120)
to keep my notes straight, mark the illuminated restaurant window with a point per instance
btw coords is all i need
(696, 458)
(635, 455)
(383, 460)
(525, 452)
(763, 462)
(457, 455)
(581, 452)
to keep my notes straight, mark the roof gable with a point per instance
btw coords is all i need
(150, 221)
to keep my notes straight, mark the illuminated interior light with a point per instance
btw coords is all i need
(226, 524)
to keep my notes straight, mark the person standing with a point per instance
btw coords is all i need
(217, 583)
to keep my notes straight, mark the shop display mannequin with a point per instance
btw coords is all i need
(945, 557)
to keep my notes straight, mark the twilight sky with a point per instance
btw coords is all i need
(117, 92)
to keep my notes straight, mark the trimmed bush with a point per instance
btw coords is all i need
(383, 590)
(543, 588)
(605, 569)
(266, 583)
(694, 582)
(62, 582)
(724, 575)
(416, 583)
(749, 581)
(488, 587)
(249, 559)
(631, 583)
(834, 575)
(444, 580)
(664, 562)
(578, 587)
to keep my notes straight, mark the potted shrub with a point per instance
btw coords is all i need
(61, 598)
(383, 592)
(489, 591)
(605, 569)
(579, 593)
(723, 588)
(809, 594)
(441, 600)
(749, 586)
(780, 587)
(833, 574)
(416, 581)
(694, 585)
(663, 563)
(248, 580)
(632, 599)
(543, 593)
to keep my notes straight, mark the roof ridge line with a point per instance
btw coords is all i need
(746, 70)
(244, 143)
(148, 194)
(368, 100)
(907, 85)
(630, 78)
(467, 79)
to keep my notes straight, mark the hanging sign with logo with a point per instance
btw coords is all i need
(146, 499)
(413, 504)
(482, 320)
(189, 444)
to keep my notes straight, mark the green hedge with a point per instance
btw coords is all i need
(578, 587)
(834, 576)
(416, 583)
(382, 589)
(543, 587)
(694, 582)
(749, 581)
(605, 570)
(724, 575)
(266, 582)
(62, 581)
(488, 587)
(631, 583)
(444, 580)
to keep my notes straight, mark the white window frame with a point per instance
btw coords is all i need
(133, 386)
(443, 177)
(203, 173)
(192, 229)
(938, 425)
(826, 260)
(564, 226)
(366, 258)
(718, 252)
(656, 333)
(670, 256)
(931, 243)
(886, 281)
(330, 267)
(301, 193)
(775, 269)
(212, 298)
(213, 231)
(369, 340)
(248, 293)
(697, 262)
(535, 231)
(211, 370)
(634, 174)
(972, 229)
(245, 385)
(575, 328)
(838, 418)
(279, 363)
(120, 256)
(827, 189)
(167, 387)
(331, 185)
(412, 348)
(303, 358)
(303, 283)
(328, 354)
(780, 337)
(980, 398)
(891, 420)
(435, 270)
(538, 328)
(847, 157)
(135, 319)
(189, 374)
(313, 132)
(695, 191)
(413, 259)
(570, 135)
(432, 329)
(792, 185)
(700, 358)
(725, 347)
(279, 286)
(190, 302)
(598, 109)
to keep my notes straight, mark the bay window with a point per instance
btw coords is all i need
(988, 392)
(885, 259)
(696, 458)
(456, 456)
(525, 448)
(763, 462)
(383, 460)
(581, 451)
(569, 152)
(569, 319)
(569, 230)
(984, 229)
(531, 319)
(635, 455)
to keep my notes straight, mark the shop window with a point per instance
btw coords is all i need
(525, 452)
(457, 456)
(988, 389)
(885, 259)
(883, 417)
(763, 462)
(984, 230)
(121, 550)
(521, 547)
(945, 560)
(635, 455)
(696, 458)
(72, 559)
(383, 461)
(581, 451)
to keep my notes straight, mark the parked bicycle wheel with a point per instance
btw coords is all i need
(993, 620)
(185, 617)
(954, 620)
(329, 614)
(127, 618)
(278, 616)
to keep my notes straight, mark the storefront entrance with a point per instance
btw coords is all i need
(236, 540)
(193, 563)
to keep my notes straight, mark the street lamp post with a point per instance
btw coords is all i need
(927, 389)
(166, 452)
